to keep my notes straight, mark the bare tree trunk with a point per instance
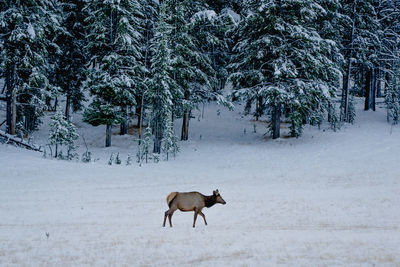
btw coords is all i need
(141, 117)
(124, 123)
(256, 110)
(379, 82)
(370, 90)
(9, 98)
(55, 104)
(138, 113)
(157, 135)
(108, 135)
(185, 125)
(67, 106)
(276, 121)
(14, 113)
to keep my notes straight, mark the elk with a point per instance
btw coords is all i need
(191, 201)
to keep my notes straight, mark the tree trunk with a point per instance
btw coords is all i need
(370, 90)
(185, 125)
(378, 82)
(256, 110)
(55, 104)
(140, 119)
(138, 112)
(56, 155)
(14, 114)
(9, 97)
(108, 135)
(67, 107)
(157, 135)
(9, 112)
(276, 121)
(124, 123)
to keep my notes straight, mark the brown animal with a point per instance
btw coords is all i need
(191, 201)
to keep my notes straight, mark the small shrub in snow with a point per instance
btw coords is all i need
(111, 160)
(62, 133)
(86, 157)
(117, 160)
(156, 157)
(144, 146)
(169, 141)
(44, 153)
(352, 111)
(129, 160)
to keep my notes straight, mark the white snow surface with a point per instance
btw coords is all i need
(324, 199)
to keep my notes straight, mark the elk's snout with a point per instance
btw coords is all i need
(222, 201)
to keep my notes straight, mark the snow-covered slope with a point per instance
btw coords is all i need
(324, 199)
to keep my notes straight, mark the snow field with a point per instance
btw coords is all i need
(325, 199)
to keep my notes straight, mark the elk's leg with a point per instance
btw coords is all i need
(169, 218)
(165, 218)
(204, 217)
(195, 217)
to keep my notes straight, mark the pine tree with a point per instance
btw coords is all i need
(160, 84)
(113, 42)
(169, 141)
(62, 133)
(70, 64)
(192, 68)
(144, 147)
(24, 31)
(361, 45)
(282, 60)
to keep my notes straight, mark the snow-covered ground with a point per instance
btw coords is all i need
(324, 199)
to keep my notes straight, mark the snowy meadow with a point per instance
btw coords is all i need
(290, 108)
(327, 198)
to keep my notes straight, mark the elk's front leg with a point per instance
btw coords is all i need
(195, 217)
(204, 217)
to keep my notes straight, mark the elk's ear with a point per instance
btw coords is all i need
(214, 193)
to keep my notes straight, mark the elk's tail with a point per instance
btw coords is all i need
(171, 197)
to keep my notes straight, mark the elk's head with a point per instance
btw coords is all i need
(218, 197)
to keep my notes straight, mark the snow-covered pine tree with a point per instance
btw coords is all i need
(281, 60)
(389, 14)
(149, 10)
(361, 47)
(169, 141)
(62, 133)
(70, 65)
(24, 29)
(144, 147)
(209, 28)
(160, 84)
(192, 67)
(113, 43)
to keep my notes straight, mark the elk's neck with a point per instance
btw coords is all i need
(210, 200)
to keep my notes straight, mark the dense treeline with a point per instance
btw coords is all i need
(159, 60)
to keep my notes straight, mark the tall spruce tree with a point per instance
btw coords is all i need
(24, 31)
(281, 60)
(113, 43)
(160, 83)
(71, 55)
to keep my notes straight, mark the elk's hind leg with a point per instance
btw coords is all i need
(165, 217)
(169, 218)
(169, 214)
